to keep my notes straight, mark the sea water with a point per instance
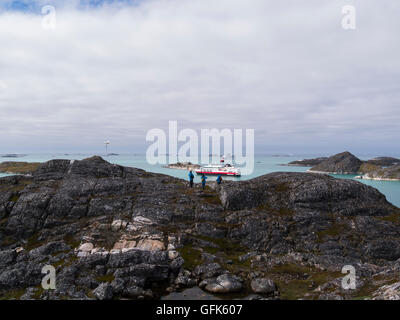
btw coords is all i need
(263, 164)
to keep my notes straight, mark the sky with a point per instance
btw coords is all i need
(113, 70)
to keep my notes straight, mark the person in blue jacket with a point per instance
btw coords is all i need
(219, 179)
(191, 177)
(203, 181)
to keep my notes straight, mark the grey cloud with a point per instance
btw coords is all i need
(286, 69)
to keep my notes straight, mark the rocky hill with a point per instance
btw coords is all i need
(115, 232)
(341, 163)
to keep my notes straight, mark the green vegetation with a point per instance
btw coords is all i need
(191, 256)
(14, 198)
(368, 167)
(106, 278)
(71, 241)
(281, 187)
(394, 217)
(33, 243)
(14, 294)
(294, 281)
(334, 230)
(38, 292)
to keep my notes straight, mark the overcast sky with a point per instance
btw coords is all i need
(284, 68)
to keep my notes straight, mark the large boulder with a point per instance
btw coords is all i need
(305, 191)
(225, 283)
(263, 286)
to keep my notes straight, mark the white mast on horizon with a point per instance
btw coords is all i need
(107, 143)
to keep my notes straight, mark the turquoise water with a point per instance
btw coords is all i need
(263, 164)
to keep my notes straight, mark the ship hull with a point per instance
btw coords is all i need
(217, 173)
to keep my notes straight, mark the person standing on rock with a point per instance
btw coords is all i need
(219, 179)
(203, 181)
(191, 177)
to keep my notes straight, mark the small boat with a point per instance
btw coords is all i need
(219, 169)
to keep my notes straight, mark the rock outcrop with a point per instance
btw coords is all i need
(384, 161)
(341, 163)
(116, 232)
(390, 174)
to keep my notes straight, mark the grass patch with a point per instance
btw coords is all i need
(14, 198)
(334, 230)
(394, 217)
(368, 167)
(14, 294)
(294, 281)
(71, 241)
(106, 278)
(191, 256)
(33, 243)
(38, 292)
(18, 167)
(282, 187)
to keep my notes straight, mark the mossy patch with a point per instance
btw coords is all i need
(294, 281)
(14, 294)
(71, 241)
(282, 187)
(336, 229)
(394, 217)
(14, 198)
(33, 243)
(106, 278)
(19, 167)
(38, 292)
(191, 255)
(368, 167)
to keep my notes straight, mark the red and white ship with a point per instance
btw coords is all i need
(223, 168)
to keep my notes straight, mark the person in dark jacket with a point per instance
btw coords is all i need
(219, 179)
(191, 177)
(203, 181)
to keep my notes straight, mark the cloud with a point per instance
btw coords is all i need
(116, 71)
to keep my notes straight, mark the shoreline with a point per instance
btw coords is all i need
(377, 179)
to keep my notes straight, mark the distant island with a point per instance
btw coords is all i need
(307, 162)
(380, 168)
(13, 155)
(183, 166)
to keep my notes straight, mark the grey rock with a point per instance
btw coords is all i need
(263, 286)
(208, 270)
(225, 283)
(103, 292)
